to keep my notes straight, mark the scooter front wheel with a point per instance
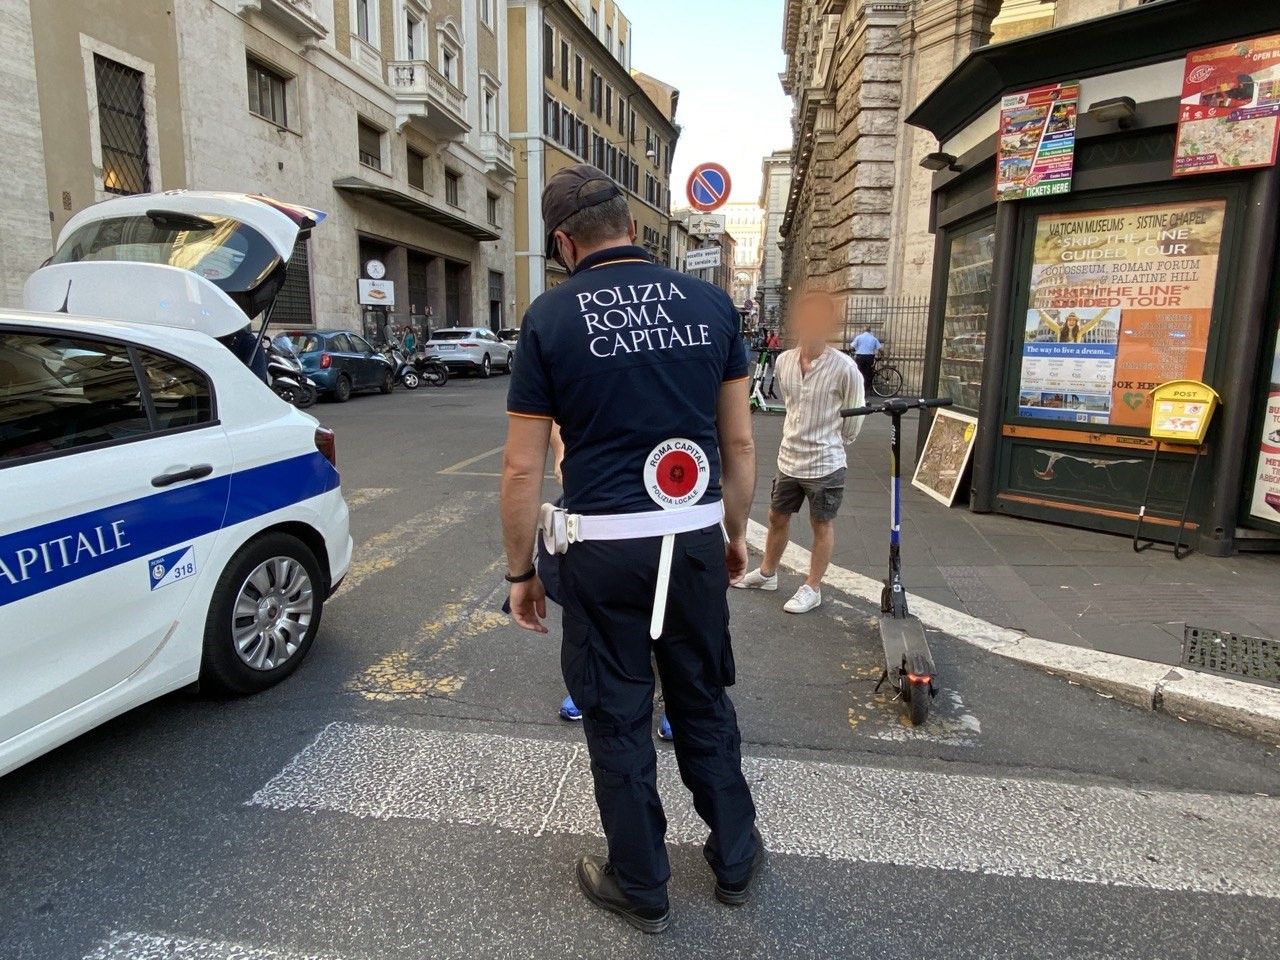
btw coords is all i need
(918, 697)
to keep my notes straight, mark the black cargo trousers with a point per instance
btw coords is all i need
(608, 602)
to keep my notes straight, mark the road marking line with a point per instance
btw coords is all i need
(384, 551)
(468, 462)
(143, 946)
(363, 495)
(1206, 843)
(404, 674)
(555, 801)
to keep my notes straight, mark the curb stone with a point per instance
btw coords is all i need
(1234, 705)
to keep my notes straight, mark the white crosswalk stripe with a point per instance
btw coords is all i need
(1040, 829)
(143, 946)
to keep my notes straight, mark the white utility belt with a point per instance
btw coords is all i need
(561, 528)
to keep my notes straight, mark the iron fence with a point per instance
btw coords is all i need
(901, 324)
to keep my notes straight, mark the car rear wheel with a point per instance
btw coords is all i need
(486, 367)
(342, 389)
(263, 617)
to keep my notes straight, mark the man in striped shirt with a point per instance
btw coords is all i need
(816, 381)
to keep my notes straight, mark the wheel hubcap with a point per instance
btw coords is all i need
(272, 613)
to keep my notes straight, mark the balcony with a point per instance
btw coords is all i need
(426, 99)
(498, 154)
(299, 17)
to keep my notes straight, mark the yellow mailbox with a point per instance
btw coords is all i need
(1181, 411)
(1180, 414)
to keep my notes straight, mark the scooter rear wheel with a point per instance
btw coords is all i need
(918, 700)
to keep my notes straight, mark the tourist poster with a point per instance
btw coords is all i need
(1120, 301)
(1229, 117)
(1266, 485)
(1036, 150)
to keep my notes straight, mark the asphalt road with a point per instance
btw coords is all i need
(409, 793)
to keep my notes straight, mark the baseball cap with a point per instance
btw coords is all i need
(570, 190)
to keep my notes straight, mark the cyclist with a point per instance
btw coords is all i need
(865, 346)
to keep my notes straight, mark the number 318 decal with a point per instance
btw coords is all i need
(172, 567)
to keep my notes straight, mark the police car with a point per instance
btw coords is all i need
(165, 518)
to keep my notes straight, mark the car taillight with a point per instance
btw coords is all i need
(468, 343)
(326, 361)
(327, 444)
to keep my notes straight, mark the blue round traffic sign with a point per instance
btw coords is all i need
(708, 187)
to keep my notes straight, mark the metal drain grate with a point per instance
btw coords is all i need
(1250, 658)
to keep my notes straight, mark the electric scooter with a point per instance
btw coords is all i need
(760, 400)
(908, 663)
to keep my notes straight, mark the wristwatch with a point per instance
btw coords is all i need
(522, 578)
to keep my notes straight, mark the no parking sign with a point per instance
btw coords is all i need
(708, 187)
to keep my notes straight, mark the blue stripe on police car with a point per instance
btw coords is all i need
(53, 554)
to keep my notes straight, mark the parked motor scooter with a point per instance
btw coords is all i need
(431, 369)
(405, 372)
(285, 374)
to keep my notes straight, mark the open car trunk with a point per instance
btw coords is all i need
(191, 259)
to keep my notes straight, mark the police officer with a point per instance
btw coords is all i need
(645, 373)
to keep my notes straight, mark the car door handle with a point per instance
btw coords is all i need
(198, 472)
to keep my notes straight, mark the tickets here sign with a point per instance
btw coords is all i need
(1181, 411)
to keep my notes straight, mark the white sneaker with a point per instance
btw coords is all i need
(806, 599)
(755, 580)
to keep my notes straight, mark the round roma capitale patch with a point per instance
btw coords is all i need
(676, 473)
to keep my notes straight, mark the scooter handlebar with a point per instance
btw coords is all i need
(898, 406)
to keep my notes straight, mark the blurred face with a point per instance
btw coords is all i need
(814, 319)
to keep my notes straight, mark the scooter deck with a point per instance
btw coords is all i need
(905, 645)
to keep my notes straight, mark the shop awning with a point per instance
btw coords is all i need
(1151, 33)
(412, 205)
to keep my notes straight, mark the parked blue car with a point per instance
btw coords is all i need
(341, 362)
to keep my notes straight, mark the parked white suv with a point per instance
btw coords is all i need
(471, 350)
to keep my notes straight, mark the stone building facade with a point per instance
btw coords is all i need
(775, 187)
(390, 115)
(745, 223)
(394, 122)
(857, 215)
(576, 99)
(92, 108)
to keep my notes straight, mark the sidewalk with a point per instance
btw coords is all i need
(1056, 583)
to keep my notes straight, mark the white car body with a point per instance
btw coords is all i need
(464, 348)
(106, 576)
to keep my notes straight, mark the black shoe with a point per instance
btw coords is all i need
(736, 894)
(595, 877)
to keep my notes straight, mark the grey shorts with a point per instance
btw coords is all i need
(823, 493)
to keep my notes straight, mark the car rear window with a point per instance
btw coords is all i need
(234, 257)
(452, 335)
(304, 342)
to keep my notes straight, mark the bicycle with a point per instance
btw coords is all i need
(886, 379)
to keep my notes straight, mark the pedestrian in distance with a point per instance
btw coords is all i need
(865, 347)
(644, 370)
(817, 381)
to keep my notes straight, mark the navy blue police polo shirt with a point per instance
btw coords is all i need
(624, 355)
